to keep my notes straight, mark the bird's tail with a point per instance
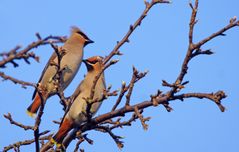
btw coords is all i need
(65, 127)
(33, 108)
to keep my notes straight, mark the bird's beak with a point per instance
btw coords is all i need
(89, 41)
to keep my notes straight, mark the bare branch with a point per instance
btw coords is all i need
(26, 142)
(192, 20)
(140, 116)
(9, 117)
(131, 86)
(124, 123)
(60, 52)
(121, 94)
(161, 99)
(78, 144)
(40, 90)
(201, 52)
(112, 120)
(194, 49)
(137, 23)
(92, 92)
(215, 97)
(114, 137)
(233, 23)
(23, 54)
(16, 81)
(125, 88)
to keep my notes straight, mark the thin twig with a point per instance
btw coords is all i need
(78, 144)
(123, 90)
(58, 77)
(23, 54)
(114, 137)
(26, 142)
(124, 123)
(40, 90)
(9, 117)
(141, 118)
(92, 92)
(17, 81)
(132, 28)
(158, 99)
(215, 97)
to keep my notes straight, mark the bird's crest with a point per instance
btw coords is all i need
(75, 29)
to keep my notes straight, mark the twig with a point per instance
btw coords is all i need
(233, 23)
(26, 142)
(9, 117)
(215, 97)
(137, 23)
(192, 20)
(89, 141)
(125, 88)
(16, 81)
(144, 104)
(184, 67)
(160, 98)
(41, 90)
(124, 123)
(131, 86)
(92, 92)
(58, 77)
(78, 144)
(13, 51)
(56, 122)
(114, 137)
(23, 54)
(90, 100)
(195, 49)
(60, 52)
(140, 116)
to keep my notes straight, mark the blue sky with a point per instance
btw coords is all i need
(158, 45)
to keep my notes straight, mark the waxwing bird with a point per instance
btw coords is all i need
(73, 54)
(76, 114)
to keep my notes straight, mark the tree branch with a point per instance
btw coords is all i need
(23, 54)
(194, 49)
(17, 81)
(9, 117)
(105, 122)
(137, 23)
(131, 86)
(26, 142)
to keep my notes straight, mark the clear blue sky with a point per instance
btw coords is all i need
(158, 45)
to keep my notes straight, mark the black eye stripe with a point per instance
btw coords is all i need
(82, 34)
(93, 62)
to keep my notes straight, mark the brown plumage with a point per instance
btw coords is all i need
(76, 113)
(72, 59)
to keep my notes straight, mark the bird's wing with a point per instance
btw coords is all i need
(74, 96)
(53, 56)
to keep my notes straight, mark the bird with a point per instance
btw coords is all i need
(71, 61)
(77, 111)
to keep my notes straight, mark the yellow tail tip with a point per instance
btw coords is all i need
(33, 115)
(58, 145)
